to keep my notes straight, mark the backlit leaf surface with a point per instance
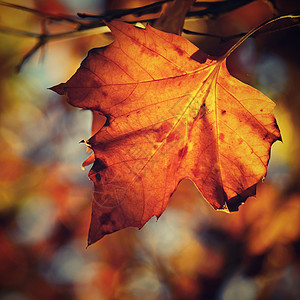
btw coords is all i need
(172, 113)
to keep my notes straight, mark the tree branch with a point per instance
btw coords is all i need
(239, 35)
(36, 47)
(17, 32)
(54, 17)
(118, 13)
(215, 9)
(211, 9)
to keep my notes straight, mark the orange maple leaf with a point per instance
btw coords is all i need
(172, 113)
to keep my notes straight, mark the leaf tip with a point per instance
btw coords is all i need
(59, 89)
(158, 216)
(94, 236)
(279, 136)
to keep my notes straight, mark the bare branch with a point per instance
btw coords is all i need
(216, 8)
(211, 9)
(54, 17)
(118, 13)
(239, 35)
(37, 46)
(13, 31)
(88, 27)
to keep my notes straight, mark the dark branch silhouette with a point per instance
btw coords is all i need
(86, 22)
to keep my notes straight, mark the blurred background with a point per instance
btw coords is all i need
(192, 251)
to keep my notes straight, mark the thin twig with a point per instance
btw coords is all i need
(239, 35)
(42, 39)
(55, 36)
(37, 46)
(212, 9)
(118, 13)
(223, 6)
(54, 17)
(17, 32)
(186, 31)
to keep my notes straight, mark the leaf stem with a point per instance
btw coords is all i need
(254, 30)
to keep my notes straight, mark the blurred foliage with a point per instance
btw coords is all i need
(192, 252)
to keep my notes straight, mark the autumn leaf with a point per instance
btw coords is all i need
(171, 113)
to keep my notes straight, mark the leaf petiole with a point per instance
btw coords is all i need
(254, 30)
